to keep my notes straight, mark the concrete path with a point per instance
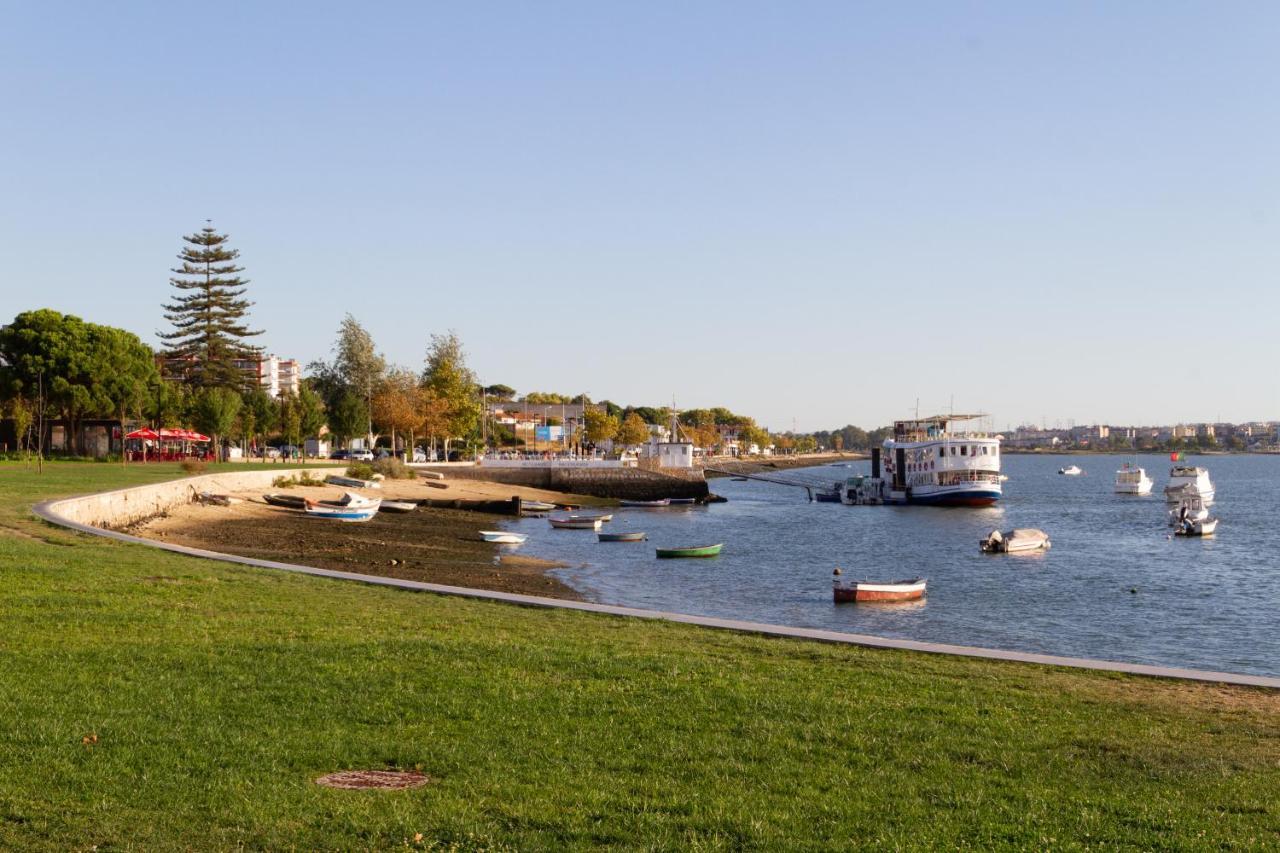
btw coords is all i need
(48, 510)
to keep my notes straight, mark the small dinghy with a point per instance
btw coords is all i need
(1203, 527)
(1016, 541)
(290, 501)
(352, 507)
(536, 506)
(503, 537)
(352, 482)
(585, 516)
(575, 523)
(663, 502)
(621, 537)
(902, 590)
(695, 551)
(397, 506)
(1071, 471)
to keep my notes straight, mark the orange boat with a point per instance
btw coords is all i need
(903, 590)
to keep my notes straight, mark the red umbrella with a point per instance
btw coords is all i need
(195, 436)
(145, 432)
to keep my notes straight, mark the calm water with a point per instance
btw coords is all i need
(1210, 603)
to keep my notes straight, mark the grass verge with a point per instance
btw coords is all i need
(210, 697)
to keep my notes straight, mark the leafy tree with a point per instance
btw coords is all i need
(348, 417)
(433, 415)
(22, 414)
(124, 368)
(632, 431)
(749, 434)
(395, 404)
(650, 415)
(545, 398)
(599, 425)
(291, 420)
(501, 393)
(215, 413)
(310, 411)
(448, 376)
(259, 414)
(168, 403)
(208, 314)
(837, 441)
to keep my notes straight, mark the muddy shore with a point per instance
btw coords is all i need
(430, 545)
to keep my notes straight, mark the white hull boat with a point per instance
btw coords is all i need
(1017, 541)
(575, 523)
(1133, 481)
(503, 537)
(1190, 508)
(352, 508)
(1071, 471)
(1188, 480)
(928, 463)
(1205, 527)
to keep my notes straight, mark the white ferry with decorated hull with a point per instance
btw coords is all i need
(927, 462)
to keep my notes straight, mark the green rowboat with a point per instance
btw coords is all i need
(699, 551)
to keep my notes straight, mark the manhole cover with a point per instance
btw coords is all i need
(395, 780)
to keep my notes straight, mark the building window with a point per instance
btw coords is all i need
(964, 450)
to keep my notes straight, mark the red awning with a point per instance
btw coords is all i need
(145, 432)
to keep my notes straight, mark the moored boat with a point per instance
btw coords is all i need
(1071, 471)
(662, 502)
(1131, 480)
(1016, 541)
(586, 516)
(1204, 527)
(694, 551)
(536, 506)
(503, 537)
(926, 462)
(1190, 508)
(866, 590)
(1188, 479)
(575, 523)
(621, 537)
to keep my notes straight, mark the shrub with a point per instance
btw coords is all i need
(360, 471)
(393, 469)
(303, 479)
(193, 466)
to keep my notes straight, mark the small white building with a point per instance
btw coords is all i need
(675, 454)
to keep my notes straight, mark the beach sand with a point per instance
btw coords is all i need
(431, 545)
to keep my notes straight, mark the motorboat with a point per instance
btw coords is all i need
(1133, 481)
(503, 537)
(867, 590)
(1071, 471)
(1190, 477)
(1204, 527)
(352, 507)
(1017, 541)
(929, 462)
(575, 523)
(1190, 508)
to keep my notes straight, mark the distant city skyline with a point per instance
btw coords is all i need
(815, 214)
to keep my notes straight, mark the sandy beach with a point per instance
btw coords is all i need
(430, 544)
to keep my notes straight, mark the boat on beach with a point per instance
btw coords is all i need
(352, 482)
(289, 501)
(1133, 481)
(503, 537)
(351, 507)
(397, 506)
(536, 506)
(1017, 541)
(662, 502)
(869, 591)
(621, 537)
(694, 551)
(575, 523)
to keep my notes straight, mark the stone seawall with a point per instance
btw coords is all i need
(138, 503)
(617, 483)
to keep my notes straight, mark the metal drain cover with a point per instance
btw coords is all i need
(394, 780)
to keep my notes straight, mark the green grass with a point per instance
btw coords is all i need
(218, 694)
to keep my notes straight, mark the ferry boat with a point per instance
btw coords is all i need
(927, 462)
(1133, 481)
(1184, 479)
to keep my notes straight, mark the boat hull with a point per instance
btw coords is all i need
(983, 496)
(702, 551)
(620, 537)
(867, 591)
(559, 524)
(501, 537)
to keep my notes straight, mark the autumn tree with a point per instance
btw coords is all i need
(599, 425)
(395, 404)
(449, 378)
(208, 314)
(632, 431)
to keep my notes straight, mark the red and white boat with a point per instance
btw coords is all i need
(902, 590)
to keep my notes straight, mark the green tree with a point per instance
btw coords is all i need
(650, 415)
(125, 370)
(311, 412)
(449, 378)
(22, 414)
(599, 425)
(632, 431)
(208, 314)
(259, 413)
(215, 413)
(500, 393)
(348, 417)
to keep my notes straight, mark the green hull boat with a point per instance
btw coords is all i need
(700, 551)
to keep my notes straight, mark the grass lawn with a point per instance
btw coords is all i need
(217, 694)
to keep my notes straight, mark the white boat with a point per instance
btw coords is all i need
(1015, 541)
(352, 482)
(353, 507)
(503, 537)
(575, 523)
(1190, 508)
(1071, 471)
(1191, 479)
(536, 506)
(926, 462)
(1133, 481)
(398, 506)
(640, 504)
(1205, 527)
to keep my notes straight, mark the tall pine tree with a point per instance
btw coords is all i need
(208, 314)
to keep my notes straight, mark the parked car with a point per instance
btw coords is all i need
(340, 454)
(419, 455)
(361, 456)
(270, 453)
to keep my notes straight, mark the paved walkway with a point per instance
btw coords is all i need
(49, 512)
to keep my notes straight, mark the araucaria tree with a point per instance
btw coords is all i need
(208, 314)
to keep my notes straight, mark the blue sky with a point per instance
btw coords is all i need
(814, 213)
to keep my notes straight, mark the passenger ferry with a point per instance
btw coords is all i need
(926, 462)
